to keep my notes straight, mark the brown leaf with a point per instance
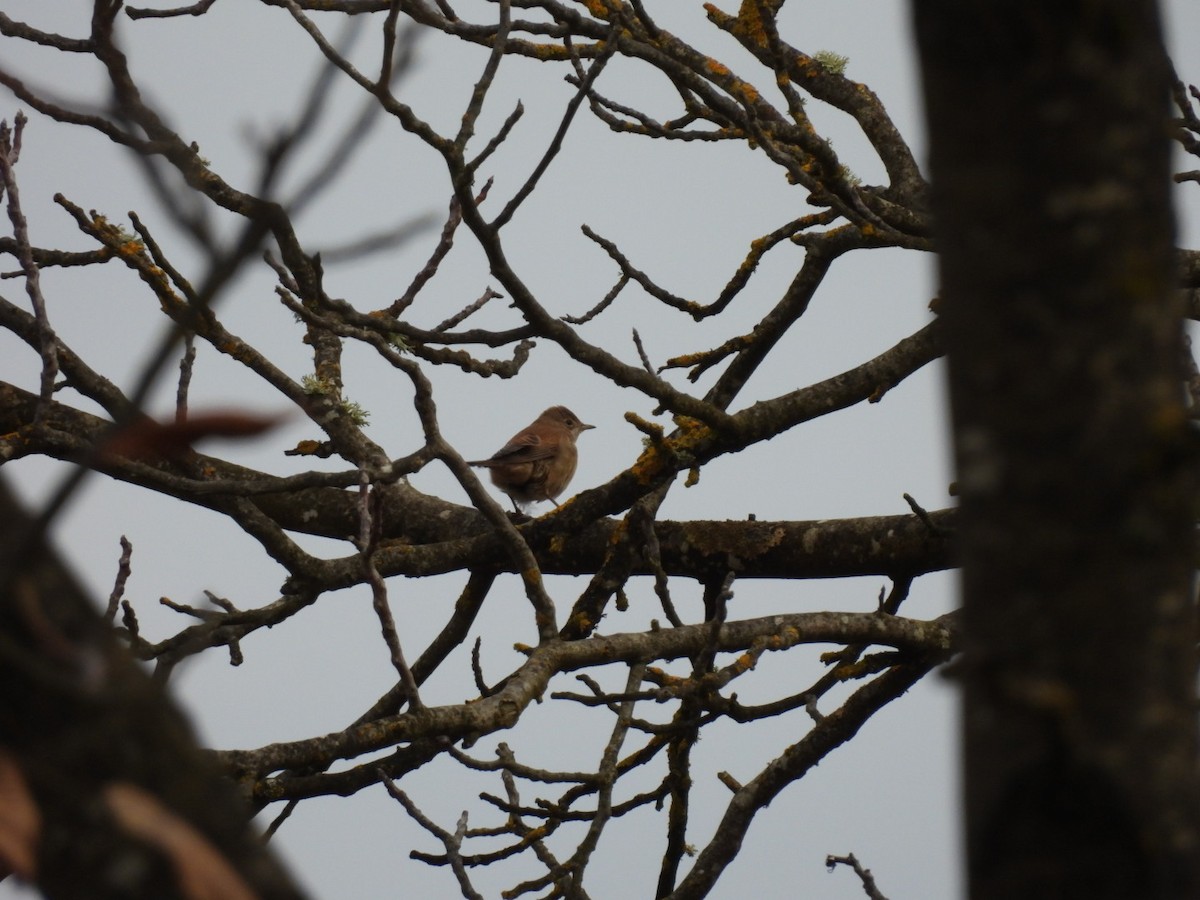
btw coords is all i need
(204, 874)
(148, 439)
(20, 822)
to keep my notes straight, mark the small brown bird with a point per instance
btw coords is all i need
(539, 461)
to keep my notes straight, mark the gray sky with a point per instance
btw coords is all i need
(683, 212)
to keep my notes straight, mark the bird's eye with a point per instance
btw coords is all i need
(570, 423)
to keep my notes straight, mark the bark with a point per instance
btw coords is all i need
(114, 797)
(1049, 161)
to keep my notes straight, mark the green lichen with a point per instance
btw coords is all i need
(314, 386)
(355, 412)
(835, 63)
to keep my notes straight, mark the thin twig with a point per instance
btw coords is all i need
(369, 534)
(186, 364)
(605, 302)
(451, 842)
(10, 150)
(864, 874)
(610, 46)
(118, 591)
(637, 342)
(469, 310)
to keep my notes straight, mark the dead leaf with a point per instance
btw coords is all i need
(148, 439)
(20, 822)
(204, 874)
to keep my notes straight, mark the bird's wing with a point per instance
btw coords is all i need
(523, 448)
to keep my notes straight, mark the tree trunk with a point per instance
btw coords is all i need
(103, 790)
(1049, 156)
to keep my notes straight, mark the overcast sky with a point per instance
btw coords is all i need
(683, 212)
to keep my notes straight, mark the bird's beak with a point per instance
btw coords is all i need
(583, 427)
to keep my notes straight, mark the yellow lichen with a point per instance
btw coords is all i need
(648, 466)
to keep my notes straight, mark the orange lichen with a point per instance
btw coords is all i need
(307, 448)
(666, 679)
(618, 533)
(131, 247)
(687, 359)
(748, 92)
(738, 88)
(719, 69)
(719, 16)
(597, 8)
(750, 24)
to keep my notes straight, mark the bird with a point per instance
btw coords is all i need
(539, 460)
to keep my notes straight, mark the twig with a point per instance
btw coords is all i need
(199, 8)
(186, 364)
(469, 310)
(610, 46)
(923, 514)
(605, 302)
(118, 591)
(452, 842)
(10, 151)
(607, 774)
(864, 874)
(637, 342)
(369, 534)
